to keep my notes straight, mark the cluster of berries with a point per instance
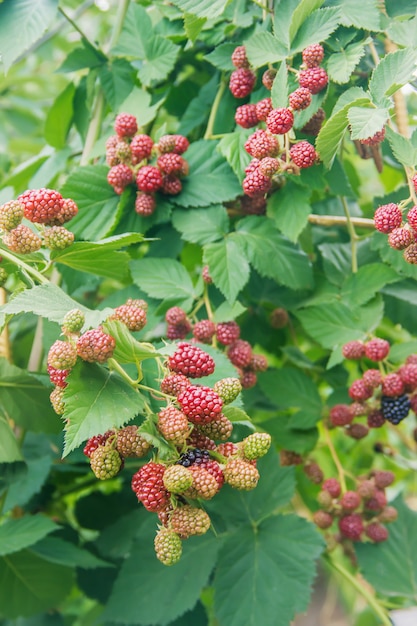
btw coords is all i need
(360, 513)
(128, 154)
(45, 208)
(263, 145)
(202, 460)
(92, 346)
(377, 396)
(401, 235)
(227, 334)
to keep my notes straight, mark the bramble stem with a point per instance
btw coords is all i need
(30, 270)
(352, 234)
(113, 364)
(75, 26)
(336, 460)
(339, 220)
(156, 391)
(212, 118)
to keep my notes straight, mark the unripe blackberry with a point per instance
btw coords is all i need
(288, 457)
(173, 143)
(11, 214)
(142, 304)
(130, 443)
(412, 215)
(205, 484)
(191, 361)
(366, 489)
(171, 163)
(175, 315)
(408, 374)
(414, 181)
(392, 385)
(357, 409)
(387, 515)
(350, 501)
(280, 121)
(3, 276)
(253, 206)
(357, 431)
(263, 109)
(163, 514)
(57, 377)
(95, 346)
(242, 81)
(69, 209)
(171, 185)
(353, 350)
(314, 472)
(376, 139)
(268, 78)
(315, 123)
(372, 378)
(213, 467)
(57, 400)
(98, 440)
(173, 384)
(228, 389)
(376, 532)
(123, 153)
(205, 273)
(375, 419)
(325, 500)
(227, 449)
(173, 425)
(125, 125)
(111, 154)
(178, 331)
(299, 99)
(141, 147)
(201, 405)
(383, 478)
(177, 479)
(256, 184)
(145, 204)
(388, 217)
(105, 462)
(258, 363)
(377, 349)
(279, 318)
(168, 546)
(239, 58)
(119, 176)
(73, 322)
(41, 206)
(62, 355)
(240, 353)
(149, 179)
(351, 526)
(131, 316)
(196, 439)
(261, 144)
(340, 415)
(241, 475)
(22, 240)
(376, 502)
(227, 332)
(412, 358)
(57, 238)
(410, 254)
(148, 485)
(322, 519)
(204, 331)
(315, 79)
(219, 429)
(256, 445)
(359, 391)
(303, 154)
(269, 166)
(187, 521)
(313, 55)
(332, 485)
(246, 116)
(248, 379)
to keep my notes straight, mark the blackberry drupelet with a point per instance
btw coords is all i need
(192, 457)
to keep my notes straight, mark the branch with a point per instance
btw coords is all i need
(338, 220)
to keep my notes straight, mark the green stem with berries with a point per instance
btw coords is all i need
(212, 118)
(114, 365)
(352, 234)
(25, 267)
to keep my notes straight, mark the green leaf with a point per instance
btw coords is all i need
(84, 56)
(390, 566)
(290, 208)
(193, 26)
(227, 313)
(403, 32)
(317, 27)
(57, 550)
(161, 55)
(301, 13)
(59, 118)
(263, 48)
(205, 225)
(334, 324)
(341, 64)
(128, 349)
(137, 29)
(221, 57)
(138, 103)
(278, 566)
(211, 179)
(117, 80)
(237, 415)
(30, 585)
(159, 601)
(9, 448)
(22, 23)
(279, 91)
(402, 148)
(29, 484)
(359, 14)
(165, 279)
(232, 147)
(361, 287)
(202, 8)
(290, 388)
(365, 122)
(96, 201)
(228, 267)
(101, 257)
(394, 71)
(20, 390)
(96, 400)
(272, 255)
(16, 534)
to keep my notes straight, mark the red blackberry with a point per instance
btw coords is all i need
(240, 353)
(322, 519)
(410, 254)
(412, 358)
(372, 378)
(408, 374)
(383, 478)
(246, 116)
(149, 179)
(68, 210)
(376, 532)
(212, 467)
(414, 181)
(171, 185)
(178, 331)
(111, 153)
(303, 154)
(227, 449)
(173, 384)
(366, 488)
(131, 316)
(269, 166)
(314, 78)
(201, 405)
(191, 361)
(125, 125)
(412, 215)
(392, 385)
(376, 502)
(248, 379)
(351, 526)
(227, 332)
(299, 99)
(22, 240)
(377, 349)
(340, 415)
(94, 442)
(268, 78)
(145, 204)
(350, 501)
(58, 377)
(280, 121)
(315, 123)
(95, 346)
(175, 315)
(204, 331)
(376, 139)
(258, 363)
(358, 408)
(41, 206)
(173, 143)
(353, 350)
(395, 409)
(197, 439)
(263, 108)
(239, 58)
(332, 485)
(149, 488)
(313, 55)
(260, 145)
(141, 147)
(389, 514)
(119, 177)
(359, 391)
(375, 419)
(388, 217)
(256, 184)
(171, 163)
(242, 81)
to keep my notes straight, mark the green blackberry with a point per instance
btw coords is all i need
(395, 409)
(195, 456)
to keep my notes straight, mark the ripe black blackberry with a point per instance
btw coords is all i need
(395, 409)
(193, 457)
